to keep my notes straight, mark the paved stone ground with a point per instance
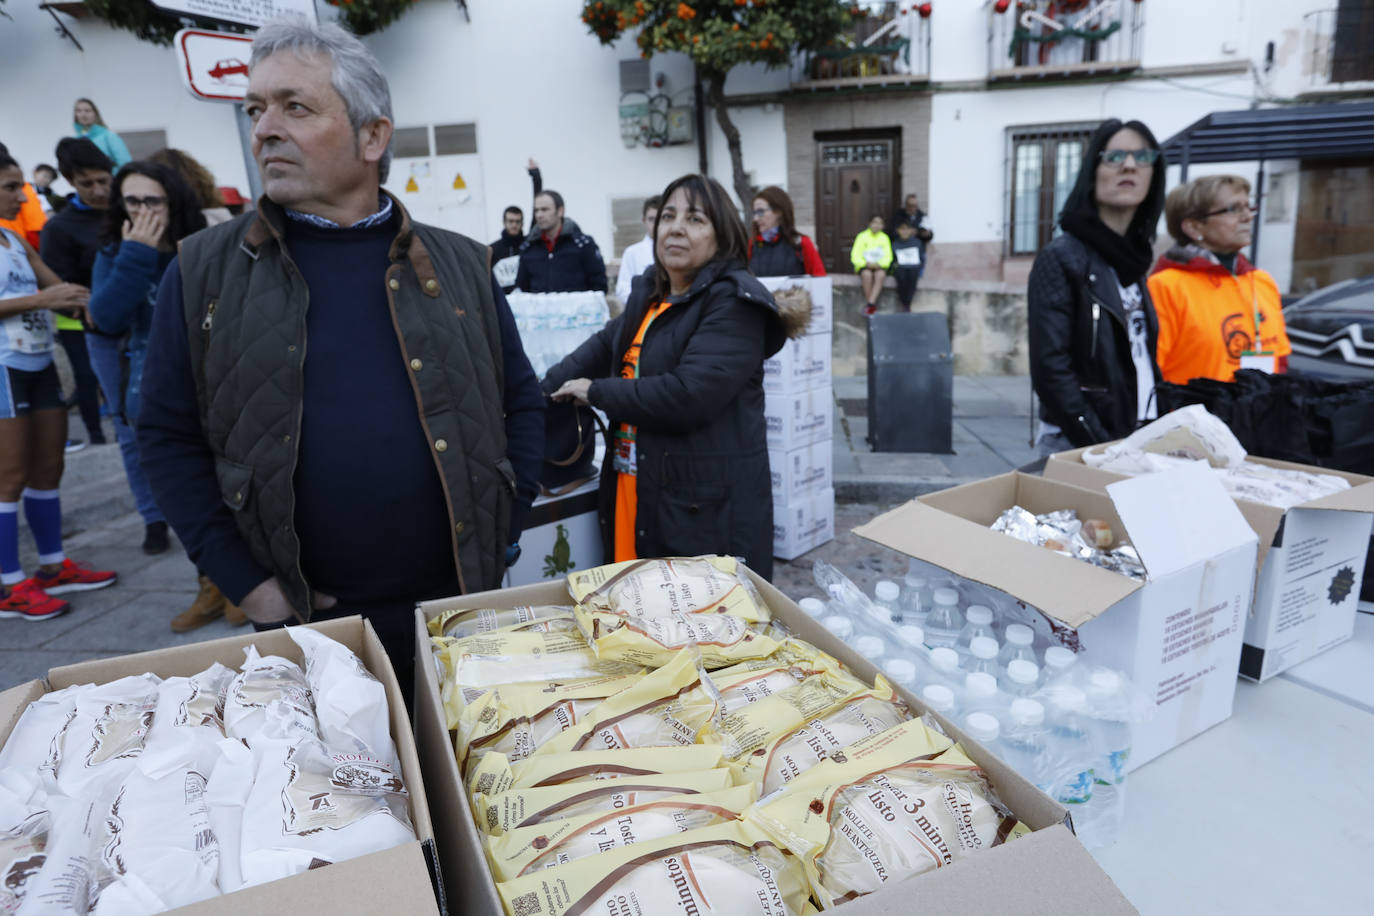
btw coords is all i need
(990, 436)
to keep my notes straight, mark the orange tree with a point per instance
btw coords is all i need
(719, 35)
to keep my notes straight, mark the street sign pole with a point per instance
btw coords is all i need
(214, 68)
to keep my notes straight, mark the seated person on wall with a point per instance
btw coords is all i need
(871, 256)
(1217, 311)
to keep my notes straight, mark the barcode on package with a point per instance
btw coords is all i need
(526, 905)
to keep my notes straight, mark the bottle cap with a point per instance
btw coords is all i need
(1058, 658)
(944, 659)
(1018, 634)
(982, 647)
(981, 684)
(946, 596)
(869, 647)
(840, 625)
(982, 726)
(886, 590)
(912, 634)
(938, 697)
(1022, 671)
(1067, 699)
(914, 581)
(901, 671)
(1027, 712)
(1104, 680)
(979, 614)
(879, 612)
(814, 607)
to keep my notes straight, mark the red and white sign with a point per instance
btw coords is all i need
(213, 65)
(240, 12)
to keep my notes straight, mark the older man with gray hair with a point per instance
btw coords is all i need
(338, 416)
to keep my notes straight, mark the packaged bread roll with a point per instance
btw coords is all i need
(664, 587)
(496, 773)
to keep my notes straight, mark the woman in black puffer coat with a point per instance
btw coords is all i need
(1092, 326)
(680, 376)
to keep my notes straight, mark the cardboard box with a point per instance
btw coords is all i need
(820, 290)
(804, 524)
(801, 472)
(799, 418)
(395, 880)
(800, 365)
(1046, 871)
(1310, 566)
(1176, 636)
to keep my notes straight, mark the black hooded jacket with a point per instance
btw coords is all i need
(573, 265)
(1080, 351)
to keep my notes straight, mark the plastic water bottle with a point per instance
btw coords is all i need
(978, 623)
(982, 655)
(1017, 644)
(887, 594)
(840, 626)
(944, 623)
(901, 672)
(1109, 707)
(1071, 743)
(983, 727)
(870, 647)
(814, 607)
(981, 693)
(1059, 666)
(912, 635)
(944, 663)
(1021, 678)
(1025, 742)
(939, 698)
(914, 600)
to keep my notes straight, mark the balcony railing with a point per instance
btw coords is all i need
(887, 42)
(1054, 39)
(1341, 45)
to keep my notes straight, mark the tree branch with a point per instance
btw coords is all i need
(715, 82)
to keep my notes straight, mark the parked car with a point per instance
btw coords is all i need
(1332, 331)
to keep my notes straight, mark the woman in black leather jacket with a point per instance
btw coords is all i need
(1092, 326)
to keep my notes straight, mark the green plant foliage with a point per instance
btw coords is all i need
(152, 24)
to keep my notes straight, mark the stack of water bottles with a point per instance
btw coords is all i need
(1060, 721)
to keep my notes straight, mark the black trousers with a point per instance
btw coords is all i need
(906, 286)
(87, 388)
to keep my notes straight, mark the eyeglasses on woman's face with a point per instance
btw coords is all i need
(152, 202)
(1116, 158)
(1244, 208)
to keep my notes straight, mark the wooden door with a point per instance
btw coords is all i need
(855, 179)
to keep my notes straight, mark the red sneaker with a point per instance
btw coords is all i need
(73, 577)
(29, 602)
(870, 309)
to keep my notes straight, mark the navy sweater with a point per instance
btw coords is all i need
(369, 505)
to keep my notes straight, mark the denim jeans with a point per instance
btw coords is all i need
(105, 360)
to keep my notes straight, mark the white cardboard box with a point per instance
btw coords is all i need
(562, 534)
(1311, 563)
(1047, 871)
(804, 524)
(1177, 636)
(799, 418)
(800, 365)
(800, 472)
(819, 290)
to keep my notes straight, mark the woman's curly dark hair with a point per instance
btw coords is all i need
(183, 205)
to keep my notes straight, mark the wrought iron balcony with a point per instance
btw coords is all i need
(887, 42)
(1058, 39)
(1340, 46)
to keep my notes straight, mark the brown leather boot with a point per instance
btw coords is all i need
(208, 606)
(234, 614)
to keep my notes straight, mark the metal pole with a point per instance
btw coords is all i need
(1259, 205)
(700, 115)
(1183, 163)
(250, 164)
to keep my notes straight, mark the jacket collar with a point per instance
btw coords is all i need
(270, 225)
(1196, 259)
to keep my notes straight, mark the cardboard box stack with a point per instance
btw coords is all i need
(599, 858)
(799, 409)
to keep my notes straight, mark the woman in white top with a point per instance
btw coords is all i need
(33, 422)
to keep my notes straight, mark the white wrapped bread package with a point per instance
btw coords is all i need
(188, 723)
(24, 824)
(35, 745)
(350, 704)
(107, 732)
(269, 698)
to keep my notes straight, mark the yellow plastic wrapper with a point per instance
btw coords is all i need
(666, 708)
(495, 773)
(661, 588)
(730, 868)
(651, 641)
(518, 719)
(495, 814)
(750, 681)
(460, 624)
(895, 806)
(470, 667)
(754, 725)
(527, 849)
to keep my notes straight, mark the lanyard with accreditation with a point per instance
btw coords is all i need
(1263, 360)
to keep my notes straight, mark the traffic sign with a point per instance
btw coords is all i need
(213, 65)
(242, 12)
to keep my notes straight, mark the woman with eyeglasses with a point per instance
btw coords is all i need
(151, 209)
(1217, 311)
(1092, 326)
(777, 249)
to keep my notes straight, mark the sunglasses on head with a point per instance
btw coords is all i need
(1117, 157)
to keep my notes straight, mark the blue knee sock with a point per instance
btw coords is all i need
(11, 573)
(43, 512)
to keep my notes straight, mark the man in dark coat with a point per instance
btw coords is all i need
(560, 257)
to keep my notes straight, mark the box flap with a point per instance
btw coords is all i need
(1177, 518)
(950, 529)
(1356, 499)
(13, 702)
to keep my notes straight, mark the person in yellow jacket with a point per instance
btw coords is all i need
(1217, 311)
(871, 257)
